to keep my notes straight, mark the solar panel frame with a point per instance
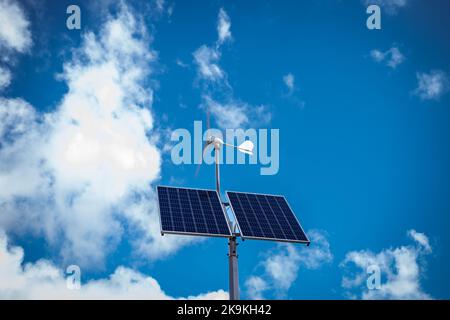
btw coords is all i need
(307, 241)
(201, 234)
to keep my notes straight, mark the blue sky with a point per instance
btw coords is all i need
(85, 123)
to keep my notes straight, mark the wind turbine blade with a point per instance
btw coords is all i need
(246, 151)
(198, 169)
(208, 123)
(200, 164)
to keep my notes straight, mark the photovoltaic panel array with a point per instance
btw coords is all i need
(265, 217)
(191, 211)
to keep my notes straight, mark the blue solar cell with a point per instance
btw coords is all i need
(266, 217)
(191, 211)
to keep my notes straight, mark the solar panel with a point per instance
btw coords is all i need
(265, 217)
(191, 211)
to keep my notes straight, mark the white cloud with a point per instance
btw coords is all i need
(160, 4)
(181, 64)
(5, 78)
(14, 36)
(236, 114)
(170, 9)
(14, 27)
(291, 94)
(207, 59)
(432, 85)
(16, 117)
(162, 7)
(227, 111)
(43, 280)
(255, 287)
(401, 267)
(377, 55)
(281, 266)
(289, 81)
(213, 295)
(318, 253)
(390, 6)
(76, 174)
(396, 58)
(230, 115)
(421, 239)
(223, 26)
(392, 57)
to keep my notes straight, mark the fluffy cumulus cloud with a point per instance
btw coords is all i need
(14, 27)
(15, 36)
(256, 286)
(218, 99)
(281, 266)
(432, 85)
(389, 6)
(44, 280)
(401, 268)
(16, 118)
(81, 176)
(391, 57)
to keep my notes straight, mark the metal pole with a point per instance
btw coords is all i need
(216, 154)
(233, 269)
(232, 244)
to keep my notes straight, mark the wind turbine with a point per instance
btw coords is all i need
(247, 148)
